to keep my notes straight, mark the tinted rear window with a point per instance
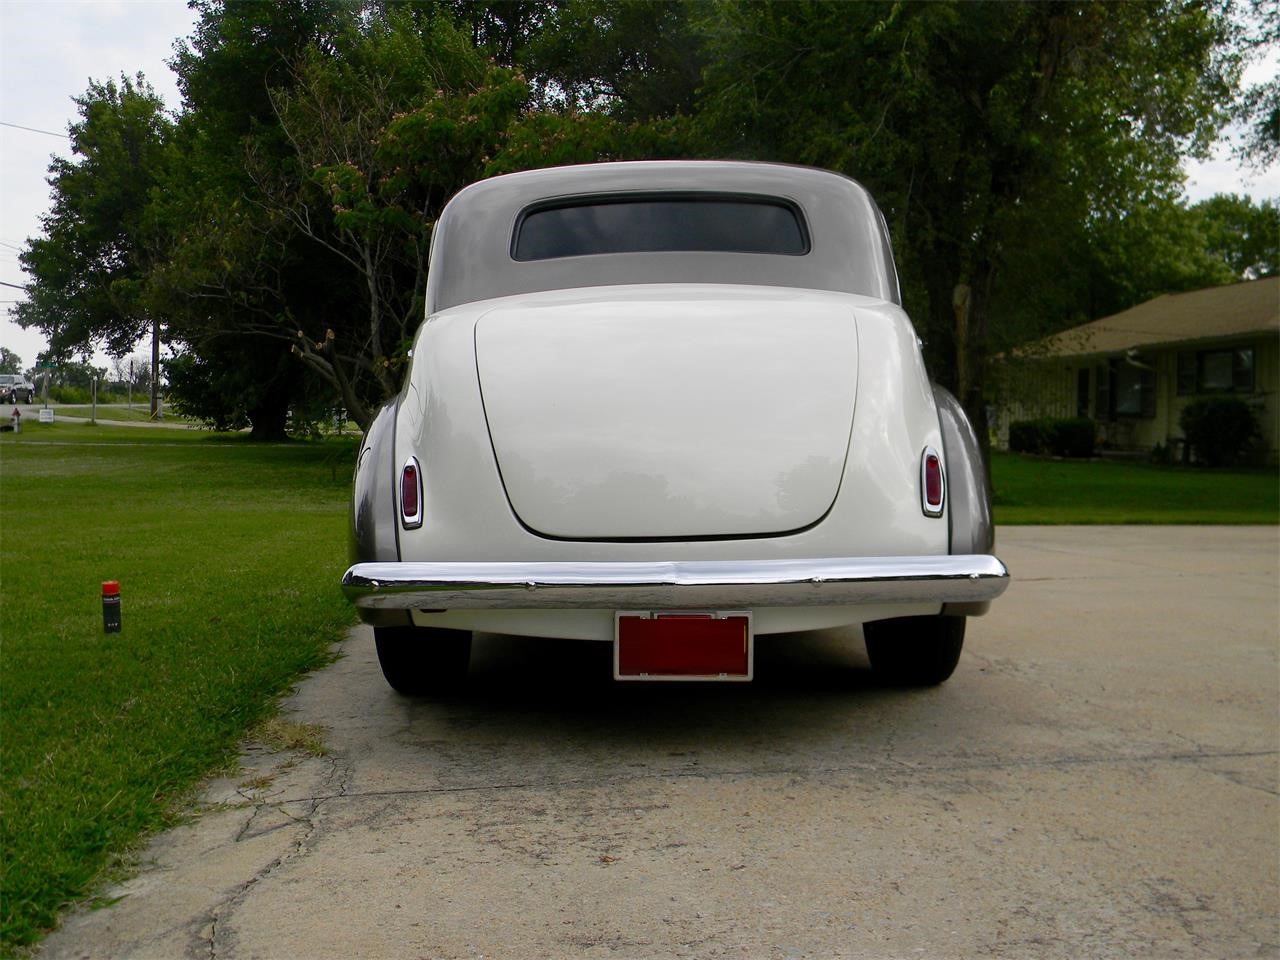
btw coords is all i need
(660, 225)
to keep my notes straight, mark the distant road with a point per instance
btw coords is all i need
(31, 413)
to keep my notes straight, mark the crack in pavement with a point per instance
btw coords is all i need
(341, 772)
(889, 763)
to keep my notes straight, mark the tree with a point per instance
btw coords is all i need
(1259, 108)
(975, 125)
(638, 61)
(383, 131)
(135, 371)
(1243, 235)
(10, 362)
(101, 238)
(317, 239)
(230, 261)
(302, 234)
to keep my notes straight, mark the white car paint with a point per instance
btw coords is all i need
(669, 411)
(876, 511)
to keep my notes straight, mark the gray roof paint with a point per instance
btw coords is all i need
(471, 246)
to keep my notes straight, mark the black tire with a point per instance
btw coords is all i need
(914, 651)
(423, 661)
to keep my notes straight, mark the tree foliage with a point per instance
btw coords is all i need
(1243, 235)
(1026, 156)
(1259, 107)
(100, 239)
(980, 127)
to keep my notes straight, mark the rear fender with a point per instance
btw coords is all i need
(969, 508)
(373, 534)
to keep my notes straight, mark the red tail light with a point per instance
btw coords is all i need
(932, 485)
(411, 494)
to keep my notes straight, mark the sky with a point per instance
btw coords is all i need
(50, 49)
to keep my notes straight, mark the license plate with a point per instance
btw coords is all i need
(682, 645)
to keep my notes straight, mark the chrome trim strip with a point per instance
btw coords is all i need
(705, 584)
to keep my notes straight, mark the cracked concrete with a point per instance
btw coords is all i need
(1099, 779)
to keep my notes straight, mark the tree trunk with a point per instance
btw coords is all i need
(972, 358)
(269, 423)
(270, 417)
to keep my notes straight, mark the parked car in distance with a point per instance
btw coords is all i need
(671, 406)
(15, 388)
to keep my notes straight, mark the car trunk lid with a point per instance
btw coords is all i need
(669, 411)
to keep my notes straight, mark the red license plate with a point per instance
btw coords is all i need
(682, 645)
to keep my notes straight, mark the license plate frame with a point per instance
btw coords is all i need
(680, 645)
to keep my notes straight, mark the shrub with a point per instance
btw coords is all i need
(1072, 437)
(1028, 436)
(1220, 430)
(1062, 437)
(69, 395)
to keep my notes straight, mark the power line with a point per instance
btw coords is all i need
(16, 286)
(47, 133)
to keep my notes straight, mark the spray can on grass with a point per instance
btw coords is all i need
(110, 606)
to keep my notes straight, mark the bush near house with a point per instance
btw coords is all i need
(1059, 436)
(1221, 431)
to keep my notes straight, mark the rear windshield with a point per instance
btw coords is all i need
(664, 224)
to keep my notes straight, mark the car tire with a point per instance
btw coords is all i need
(914, 651)
(423, 661)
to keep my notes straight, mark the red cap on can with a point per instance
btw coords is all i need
(110, 587)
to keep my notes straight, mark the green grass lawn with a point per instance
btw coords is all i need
(228, 556)
(1041, 490)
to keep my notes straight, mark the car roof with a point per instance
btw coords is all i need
(471, 244)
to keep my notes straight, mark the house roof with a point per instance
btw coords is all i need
(1214, 313)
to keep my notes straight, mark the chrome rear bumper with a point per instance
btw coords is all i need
(971, 580)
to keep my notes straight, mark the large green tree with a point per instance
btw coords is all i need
(101, 238)
(978, 127)
(234, 269)
(313, 232)
(383, 130)
(1242, 234)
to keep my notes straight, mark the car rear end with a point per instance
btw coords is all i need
(671, 464)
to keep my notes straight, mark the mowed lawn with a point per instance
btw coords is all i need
(228, 556)
(1042, 490)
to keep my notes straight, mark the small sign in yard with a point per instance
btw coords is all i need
(46, 415)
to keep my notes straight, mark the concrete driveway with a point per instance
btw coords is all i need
(1099, 779)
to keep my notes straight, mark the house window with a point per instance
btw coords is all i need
(1228, 370)
(1082, 392)
(1126, 388)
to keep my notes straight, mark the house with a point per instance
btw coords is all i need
(1135, 371)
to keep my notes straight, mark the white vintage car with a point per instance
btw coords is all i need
(670, 406)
